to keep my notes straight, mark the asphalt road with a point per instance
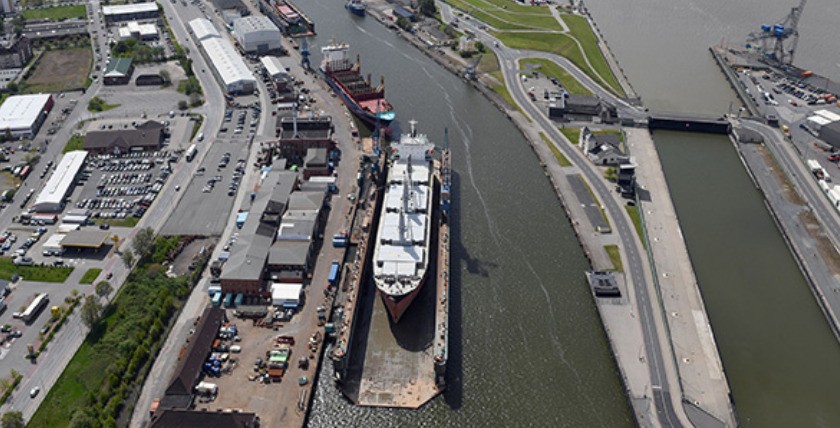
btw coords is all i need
(670, 414)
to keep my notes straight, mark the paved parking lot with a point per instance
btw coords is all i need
(202, 208)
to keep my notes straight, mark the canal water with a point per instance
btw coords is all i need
(777, 349)
(526, 342)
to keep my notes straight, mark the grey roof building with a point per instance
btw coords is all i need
(146, 136)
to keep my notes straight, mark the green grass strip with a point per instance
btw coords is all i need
(615, 257)
(561, 158)
(34, 273)
(90, 276)
(636, 217)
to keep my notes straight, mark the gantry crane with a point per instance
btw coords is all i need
(777, 42)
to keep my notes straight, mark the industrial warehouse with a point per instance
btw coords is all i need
(130, 12)
(51, 198)
(21, 116)
(231, 70)
(257, 34)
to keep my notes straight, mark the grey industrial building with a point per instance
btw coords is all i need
(147, 136)
(130, 12)
(831, 133)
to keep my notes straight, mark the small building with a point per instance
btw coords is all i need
(315, 163)
(15, 52)
(183, 418)
(566, 105)
(7, 7)
(290, 261)
(602, 149)
(22, 115)
(603, 284)
(830, 133)
(627, 179)
(118, 71)
(147, 136)
(287, 295)
(298, 134)
(135, 30)
(274, 68)
(257, 34)
(85, 239)
(130, 12)
(46, 30)
(402, 12)
(227, 5)
(179, 393)
(58, 187)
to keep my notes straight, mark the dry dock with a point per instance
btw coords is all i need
(383, 364)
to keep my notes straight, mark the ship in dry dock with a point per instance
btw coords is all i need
(402, 250)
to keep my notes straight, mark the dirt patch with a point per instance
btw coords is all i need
(824, 246)
(181, 264)
(781, 179)
(61, 70)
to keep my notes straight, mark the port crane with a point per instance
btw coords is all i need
(777, 42)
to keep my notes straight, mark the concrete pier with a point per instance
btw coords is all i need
(705, 389)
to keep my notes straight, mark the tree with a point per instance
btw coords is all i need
(13, 420)
(143, 242)
(403, 23)
(427, 7)
(167, 79)
(103, 289)
(128, 258)
(182, 105)
(90, 311)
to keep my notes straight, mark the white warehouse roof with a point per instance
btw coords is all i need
(273, 66)
(123, 9)
(254, 23)
(227, 62)
(60, 182)
(203, 28)
(20, 112)
(831, 116)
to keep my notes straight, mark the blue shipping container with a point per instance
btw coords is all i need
(333, 273)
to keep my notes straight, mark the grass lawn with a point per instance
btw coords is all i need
(562, 45)
(76, 142)
(636, 217)
(551, 69)
(511, 17)
(561, 158)
(615, 257)
(489, 63)
(573, 134)
(129, 221)
(57, 13)
(33, 273)
(580, 29)
(90, 276)
(60, 70)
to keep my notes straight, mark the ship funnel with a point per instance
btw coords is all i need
(413, 124)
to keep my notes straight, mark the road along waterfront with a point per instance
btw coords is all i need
(526, 341)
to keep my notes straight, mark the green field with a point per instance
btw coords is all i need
(507, 15)
(561, 158)
(551, 69)
(33, 273)
(573, 134)
(90, 276)
(580, 29)
(562, 45)
(56, 13)
(76, 142)
(129, 221)
(615, 257)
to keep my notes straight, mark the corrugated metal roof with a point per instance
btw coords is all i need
(203, 29)
(227, 61)
(19, 112)
(123, 9)
(59, 183)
